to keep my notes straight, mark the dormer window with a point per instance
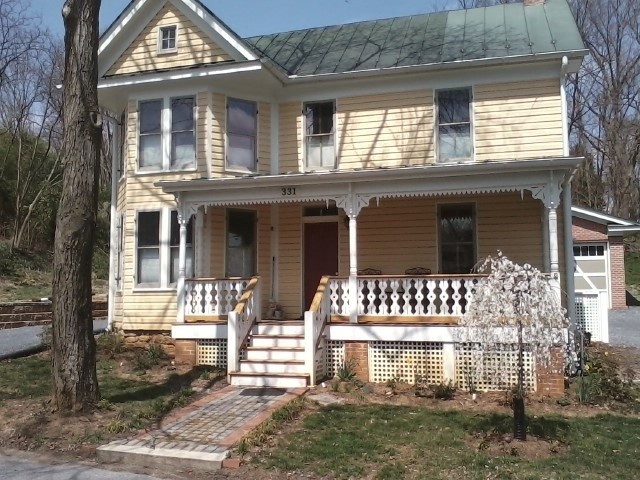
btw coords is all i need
(168, 39)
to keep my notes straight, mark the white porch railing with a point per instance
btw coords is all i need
(210, 297)
(241, 320)
(430, 295)
(315, 320)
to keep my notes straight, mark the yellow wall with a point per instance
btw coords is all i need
(518, 120)
(385, 130)
(194, 47)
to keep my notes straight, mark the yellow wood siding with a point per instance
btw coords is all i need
(203, 138)
(385, 130)
(290, 130)
(518, 120)
(194, 47)
(264, 253)
(264, 138)
(290, 260)
(218, 134)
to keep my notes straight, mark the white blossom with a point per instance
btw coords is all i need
(512, 300)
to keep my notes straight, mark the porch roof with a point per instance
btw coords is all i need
(534, 175)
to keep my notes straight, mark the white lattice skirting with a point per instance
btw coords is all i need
(404, 361)
(212, 352)
(334, 356)
(492, 371)
(488, 371)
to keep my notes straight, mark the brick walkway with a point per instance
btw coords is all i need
(200, 435)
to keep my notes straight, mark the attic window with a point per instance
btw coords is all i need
(168, 39)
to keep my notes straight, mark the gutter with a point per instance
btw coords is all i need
(387, 174)
(113, 232)
(494, 61)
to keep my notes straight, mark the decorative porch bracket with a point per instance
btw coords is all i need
(352, 204)
(550, 194)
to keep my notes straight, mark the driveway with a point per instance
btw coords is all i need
(17, 340)
(624, 327)
(13, 468)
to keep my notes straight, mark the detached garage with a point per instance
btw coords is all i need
(598, 250)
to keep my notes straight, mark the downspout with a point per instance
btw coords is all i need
(566, 201)
(113, 234)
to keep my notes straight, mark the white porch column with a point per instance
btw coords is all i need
(353, 268)
(199, 260)
(568, 251)
(546, 259)
(352, 204)
(549, 194)
(183, 221)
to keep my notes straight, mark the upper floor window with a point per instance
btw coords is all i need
(320, 150)
(242, 131)
(457, 229)
(183, 139)
(166, 138)
(454, 125)
(168, 39)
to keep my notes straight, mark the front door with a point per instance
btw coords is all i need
(320, 256)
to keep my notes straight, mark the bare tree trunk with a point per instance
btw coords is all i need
(73, 353)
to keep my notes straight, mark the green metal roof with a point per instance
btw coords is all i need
(481, 33)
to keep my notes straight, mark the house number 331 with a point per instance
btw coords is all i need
(288, 191)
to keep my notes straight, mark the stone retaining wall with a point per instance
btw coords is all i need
(29, 314)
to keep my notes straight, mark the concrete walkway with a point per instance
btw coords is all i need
(200, 435)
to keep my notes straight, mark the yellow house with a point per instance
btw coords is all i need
(287, 202)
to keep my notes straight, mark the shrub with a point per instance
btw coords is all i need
(347, 371)
(444, 390)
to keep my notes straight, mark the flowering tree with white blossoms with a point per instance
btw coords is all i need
(513, 306)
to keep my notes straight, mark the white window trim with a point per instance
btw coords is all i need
(234, 168)
(476, 242)
(335, 137)
(164, 51)
(165, 133)
(120, 252)
(165, 252)
(436, 122)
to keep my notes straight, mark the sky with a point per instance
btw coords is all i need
(255, 17)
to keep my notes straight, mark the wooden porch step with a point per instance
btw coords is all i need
(275, 353)
(281, 380)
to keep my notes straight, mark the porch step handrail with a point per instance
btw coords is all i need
(404, 295)
(241, 321)
(315, 321)
(213, 298)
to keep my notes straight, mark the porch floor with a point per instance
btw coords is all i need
(200, 435)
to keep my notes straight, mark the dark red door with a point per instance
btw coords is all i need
(320, 256)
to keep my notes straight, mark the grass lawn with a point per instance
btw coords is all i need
(138, 388)
(402, 442)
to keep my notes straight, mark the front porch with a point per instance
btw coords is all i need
(413, 220)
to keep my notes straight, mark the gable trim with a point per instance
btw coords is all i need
(139, 13)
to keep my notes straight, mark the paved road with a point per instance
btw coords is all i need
(624, 327)
(13, 468)
(26, 338)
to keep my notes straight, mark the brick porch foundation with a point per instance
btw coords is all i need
(185, 352)
(358, 353)
(550, 380)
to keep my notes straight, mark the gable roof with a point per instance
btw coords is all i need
(497, 32)
(489, 34)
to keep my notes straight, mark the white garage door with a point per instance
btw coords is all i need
(592, 289)
(592, 267)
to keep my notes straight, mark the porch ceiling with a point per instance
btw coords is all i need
(429, 180)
